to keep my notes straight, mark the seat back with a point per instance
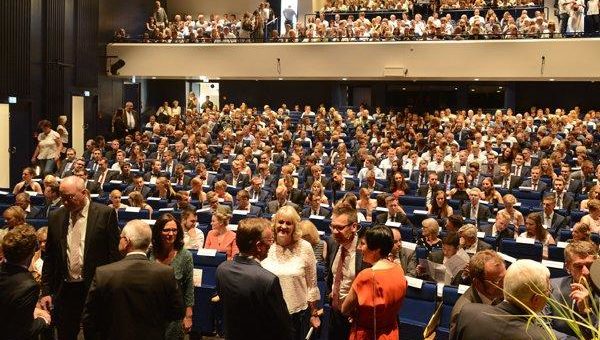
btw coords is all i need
(449, 296)
(418, 307)
(209, 265)
(521, 250)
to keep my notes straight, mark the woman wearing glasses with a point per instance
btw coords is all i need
(167, 248)
(292, 259)
(377, 293)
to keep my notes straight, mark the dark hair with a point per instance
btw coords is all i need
(249, 232)
(157, 246)
(439, 211)
(456, 220)
(452, 239)
(380, 237)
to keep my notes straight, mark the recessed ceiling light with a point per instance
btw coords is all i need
(280, 78)
(456, 89)
(551, 79)
(344, 78)
(404, 89)
(499, 87)
(472, 90)
(476, 79)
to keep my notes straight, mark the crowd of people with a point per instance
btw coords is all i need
(406, 5)
(332, 24)
(295, 166)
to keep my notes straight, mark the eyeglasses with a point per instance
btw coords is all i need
(339, 228)
(169, 231)
(66, 197)
(285, 222)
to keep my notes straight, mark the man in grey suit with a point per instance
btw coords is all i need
(526, 288)
(82, 235)
(469, 240)
(473, 209)
(579, 256)
(134, 297)
(314, 208)
(253, 305)
(405, 257)
(486, 270)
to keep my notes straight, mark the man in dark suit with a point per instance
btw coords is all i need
(235, 177)
(571, 185)
(344, 263)
(132, 118)
(551, 220)
(67, 164)
(126, 176)
(314, 208)
(52, 196)
(316, 176)
(448, 176)
(428, 190)
(473, 209)
(104, 174)
(78, 227)
(420, 176)
(253, 305)
(486, 270)
(23, 200)
(256, 191)
(133, 296)
(371, 183)
(534, 182)
(280, 201)
(403, 256)
(529, 284)
(519, 168)
(242, 199)
(505, 179)
(491, 167)
(469, 240)
(20, 317)
(564, 199)
(156, 172)
(340, 183)
(138, 185)
(91, 186)
(293, 194)
(579, 256)
(394, 213)
(179, 177)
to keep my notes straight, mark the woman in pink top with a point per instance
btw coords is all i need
(220, 238)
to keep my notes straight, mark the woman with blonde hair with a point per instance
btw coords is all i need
(594, 193)
(221, 238)
(292, 259)
(220, 191)
(13, 216)
(317, 190)
(366, 202)
(136, 199)
(593, 218)
(163, 189)
(514, 216)
(311, 234)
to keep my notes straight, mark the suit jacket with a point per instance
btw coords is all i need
(242, 181)
(513, 181)
(525, 170)
(273, 206)
(442, 176)
(101, 245)
(253, 304)
(34, 212)
(64, 168)
(483, 212)
(479, 321)
(414, 177)
(568, 202)
(110, 175)
(145, 190)
(270, 182)
(132, 297)
(186, 180)
(377, 186)
(322, 212)
(332, 249)
(422, 191)
(381, 218)
(19, 296)
(324, 181)
(408, 261)
(93, 187)
(561, 288)
(542, 186)
(254, 210)
(149, 175)
(349, 185)
(558, 222)
(471, 295)
(263, 195)
(125, 178)
(297, 197)
(485, 169)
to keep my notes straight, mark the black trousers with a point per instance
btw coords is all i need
(564, 19)
(68, 307)
(339, 327)
(300, 324)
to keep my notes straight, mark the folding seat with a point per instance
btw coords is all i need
(322, 224)
(129, 214)
(204, 216)
(157, 203)
(415, 201)
(204, 309)
(449, 296)
(421, 253)
(407, 234)
(520, 250)
(418, 307)
(556, 253)
(576, 215)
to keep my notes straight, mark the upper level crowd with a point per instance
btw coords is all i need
(344, 21)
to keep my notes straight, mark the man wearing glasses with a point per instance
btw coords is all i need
(82, 235)
(253, 303)
(487, 270)
(344, 264)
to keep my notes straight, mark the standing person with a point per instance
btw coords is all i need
(20, 317)
(78, 227)
(344, 263)
(253, 303)
(64, 135)
(377, 293)
(167, 248)
(134, 296)
(292, 259)
(47, 152)
(132, 118)
(160, 15)
(119, 124)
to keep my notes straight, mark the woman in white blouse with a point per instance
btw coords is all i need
(292, 259)
(47, 152)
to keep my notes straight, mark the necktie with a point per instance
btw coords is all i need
(101, 179)
(491, 169)
(337, 280)
(474, 212)
(518, 172)
(534, 187)
(559, 203)
(75, 264)
(505, 185)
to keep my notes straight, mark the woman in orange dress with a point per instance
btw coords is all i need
(221, 238)
(377, 293)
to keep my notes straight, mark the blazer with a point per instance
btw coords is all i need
(273, 206)
(186, 180)
(377, 186)
(132, 297)
(414, 177)
(322, 212)
(382, 217)
(242, 181)
(110, 175)
(149, 175)
(145, 190)
(349, 185)
(254, 210)
(19, 296)
(574, 186)
(513, 181)
(93, 187)
(101, 245)
(471, 295)
(558, 222)
(568, 202)
(423, 189)
(542, 186)
(332, 249)
(483, 212)
(125, 178)
(479, 321)
(525, 170)
(34, 212)
(263, 195)
(253, 304)
(297, 196)
(270, 182)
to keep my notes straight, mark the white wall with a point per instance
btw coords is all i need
(447, 60)
(4, 146)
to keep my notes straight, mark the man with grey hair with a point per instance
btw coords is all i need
(133, 297)
(469, 241)
(526, 289)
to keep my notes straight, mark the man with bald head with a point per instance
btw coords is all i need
(82, 235)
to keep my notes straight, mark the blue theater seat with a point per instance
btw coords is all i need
(449, 296)
(418, 307)
(521, 250)
(123, 215)
(204, 310)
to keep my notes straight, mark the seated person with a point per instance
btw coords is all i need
(163, 189)
(469, 240)
(395, 212)
(580, 232)
(594, 192)
(314, 207)
(13, 216)
(27, 184)
(182, 201)
(439, 206)
(115, 199)
(23, 200)
(429, 235)
(450, 251)
(474, 210)
(193, 237)
(593, 218)
(514, 216)
(197, 190)
(534, 229)
(242, 199)
(221, 192)
(311, 234)
(137, 200)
